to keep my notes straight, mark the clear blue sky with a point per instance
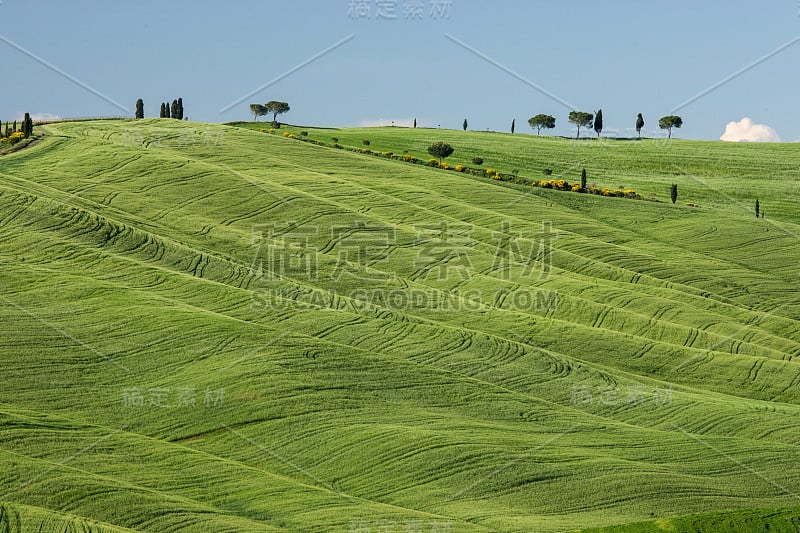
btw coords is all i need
(622, 56)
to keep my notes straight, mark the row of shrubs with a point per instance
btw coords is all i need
(13, 139)
(561, 185)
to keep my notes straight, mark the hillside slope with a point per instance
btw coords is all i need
(209, 328)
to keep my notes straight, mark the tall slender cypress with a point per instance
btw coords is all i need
(598, 122)
(27, 125)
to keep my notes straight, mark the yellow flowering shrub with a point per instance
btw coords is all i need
(444, 166)
(14, 138)
(459, 168)
(561, 185)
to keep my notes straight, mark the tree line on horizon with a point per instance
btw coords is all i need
(13, 133)
(174, 110)
(582, 119)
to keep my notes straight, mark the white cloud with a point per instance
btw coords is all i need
(400, 122)
(748, 131)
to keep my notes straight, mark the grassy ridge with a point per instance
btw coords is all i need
(660, 381)
(725, 175)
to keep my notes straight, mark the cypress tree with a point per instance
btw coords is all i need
(166, 110)
(174, 109)
(415, 122)
(139, 108)
(464, 125)
(161, 111)
(14, 128)
(639, 124)
(674, 192)
(27, 125)
(513, 123)
(598, 122)
(758, 208)
(583, 178)
(180, 108)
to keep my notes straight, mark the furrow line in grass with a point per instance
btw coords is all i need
(222, 461)
(371, 189)
(594, 365)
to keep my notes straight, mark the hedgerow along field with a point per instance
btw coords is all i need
(195, 338)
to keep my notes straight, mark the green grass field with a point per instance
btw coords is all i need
(210, 328)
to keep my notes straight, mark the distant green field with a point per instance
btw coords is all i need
(714, 174)
(210, 328)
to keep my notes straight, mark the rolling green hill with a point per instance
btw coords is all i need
(210, 328)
